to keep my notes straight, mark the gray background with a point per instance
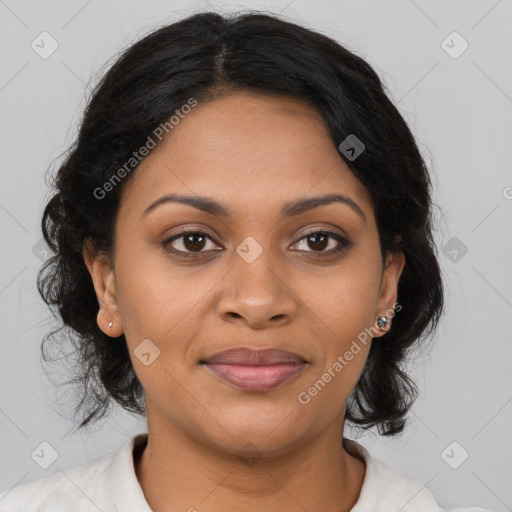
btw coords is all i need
(458, 106)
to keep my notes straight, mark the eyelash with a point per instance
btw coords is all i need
(343, 243)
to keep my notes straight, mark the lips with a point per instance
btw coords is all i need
(249, 357)
(255, 370)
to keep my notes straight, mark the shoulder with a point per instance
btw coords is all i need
(386, 488)
(81, 488)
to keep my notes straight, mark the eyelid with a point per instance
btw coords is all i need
(187, 230)
(323, 229)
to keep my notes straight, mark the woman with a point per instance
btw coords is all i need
(243, 253)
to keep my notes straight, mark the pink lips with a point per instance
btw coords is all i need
(256, 370)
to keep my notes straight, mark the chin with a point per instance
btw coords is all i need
(254, 447)
(252, 437)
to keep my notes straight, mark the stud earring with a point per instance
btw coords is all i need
(382, 322)
(110, 324)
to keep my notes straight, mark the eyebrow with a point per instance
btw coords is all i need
(290, 209)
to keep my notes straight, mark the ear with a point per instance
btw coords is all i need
(103, 278)
(395, 262)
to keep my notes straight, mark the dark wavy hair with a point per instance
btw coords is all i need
(205, 56)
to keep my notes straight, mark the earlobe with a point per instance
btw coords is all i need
(108, 324)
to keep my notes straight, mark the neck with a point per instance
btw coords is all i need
(178, 472)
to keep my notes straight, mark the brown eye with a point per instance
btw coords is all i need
(193, 242)
(188, 242)
(318, 241)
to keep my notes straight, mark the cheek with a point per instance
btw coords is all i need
(344, 315)
(344, 310)
(159, 300)
(345, 302)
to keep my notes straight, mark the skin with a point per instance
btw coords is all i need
(252, 153)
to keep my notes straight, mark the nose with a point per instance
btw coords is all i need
(257, 294)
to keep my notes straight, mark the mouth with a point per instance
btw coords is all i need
(255, 370)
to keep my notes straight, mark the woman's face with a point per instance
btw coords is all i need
(254, 277)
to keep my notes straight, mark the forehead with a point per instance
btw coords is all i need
(246, 150)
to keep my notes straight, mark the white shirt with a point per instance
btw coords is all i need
(109, 484)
